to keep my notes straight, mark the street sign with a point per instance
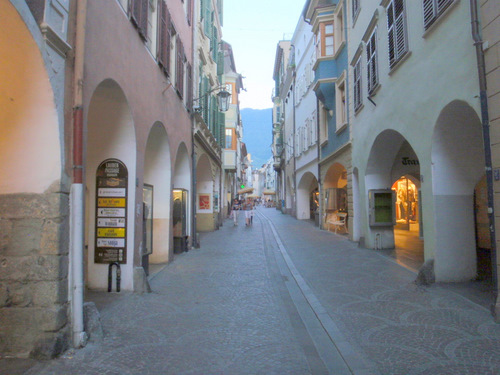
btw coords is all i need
(111, 212)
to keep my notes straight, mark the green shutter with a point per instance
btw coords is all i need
(220, 63)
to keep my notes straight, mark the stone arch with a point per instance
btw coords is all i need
(391, 157)
(110, 134)
(30, 145)
(204, 191)
(157, 179)
(457, 166)
(308, 185)
(335, 191)
(182, 198)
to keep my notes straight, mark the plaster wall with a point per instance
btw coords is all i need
(410, 101)
(34, 222)
(149, 93)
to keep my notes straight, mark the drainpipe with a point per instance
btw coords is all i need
(77, 189)
(478, 43)
(194, 239)
(294, 174)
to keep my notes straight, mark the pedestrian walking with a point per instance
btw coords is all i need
(248, 207)
(234, 210)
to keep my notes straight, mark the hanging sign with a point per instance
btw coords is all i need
(111, 212)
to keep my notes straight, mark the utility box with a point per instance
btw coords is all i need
(382, 208)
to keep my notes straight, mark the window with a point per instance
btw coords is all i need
(189, 80)
(179, 66)
(164, 37)
(123, 3)
(323, 123)
(396, 25)
(339, 29)
(314, 135)
(355, 9)
(173, 51)
(229, 89)
(229, 138)
(340, 103)
(433, 9)
(371, 59)
(139, 16)
(358, 99)
(152, 25)
(325, 39)
(188, 9)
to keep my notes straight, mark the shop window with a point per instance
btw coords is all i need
(336, 199)
(406, 208)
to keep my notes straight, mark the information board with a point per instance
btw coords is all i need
(111, 212)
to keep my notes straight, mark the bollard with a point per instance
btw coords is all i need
(110, 276)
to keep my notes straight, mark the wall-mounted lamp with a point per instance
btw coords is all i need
(222, 98)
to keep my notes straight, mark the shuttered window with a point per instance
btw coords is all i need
(189, 13)
(355, 8)
(179, 66)
(397, 30)
(433, 10)
(358, 100)
(164, 37)
(371, 60)
(189, 79)
(139, 16)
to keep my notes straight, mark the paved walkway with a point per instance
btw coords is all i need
(283, 297)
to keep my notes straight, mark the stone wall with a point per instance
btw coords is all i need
(34, 233)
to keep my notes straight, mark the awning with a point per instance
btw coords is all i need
(246, 190)
(269, 192)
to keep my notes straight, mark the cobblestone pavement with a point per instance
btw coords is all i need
(222, 309)
(283, 297)
(396, 326)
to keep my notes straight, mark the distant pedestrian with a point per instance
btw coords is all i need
(248, 207)
(235, 208)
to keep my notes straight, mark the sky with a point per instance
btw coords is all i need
(254, 28)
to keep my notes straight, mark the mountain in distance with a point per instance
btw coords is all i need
(258, 134)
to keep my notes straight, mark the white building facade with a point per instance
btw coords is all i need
(416, 130)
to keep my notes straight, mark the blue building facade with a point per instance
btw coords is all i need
(328, 19)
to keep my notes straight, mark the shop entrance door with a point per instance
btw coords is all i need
(180, 221)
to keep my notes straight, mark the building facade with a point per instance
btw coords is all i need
(417, 139)
(209, 127)
(125, 161)
(279, 145)
(233, 130)
(328, 21)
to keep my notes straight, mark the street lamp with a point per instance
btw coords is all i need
(222, 98)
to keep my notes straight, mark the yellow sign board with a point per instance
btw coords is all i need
(111, 202)
(111, 232)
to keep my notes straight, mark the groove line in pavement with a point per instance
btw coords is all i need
(352, 362)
